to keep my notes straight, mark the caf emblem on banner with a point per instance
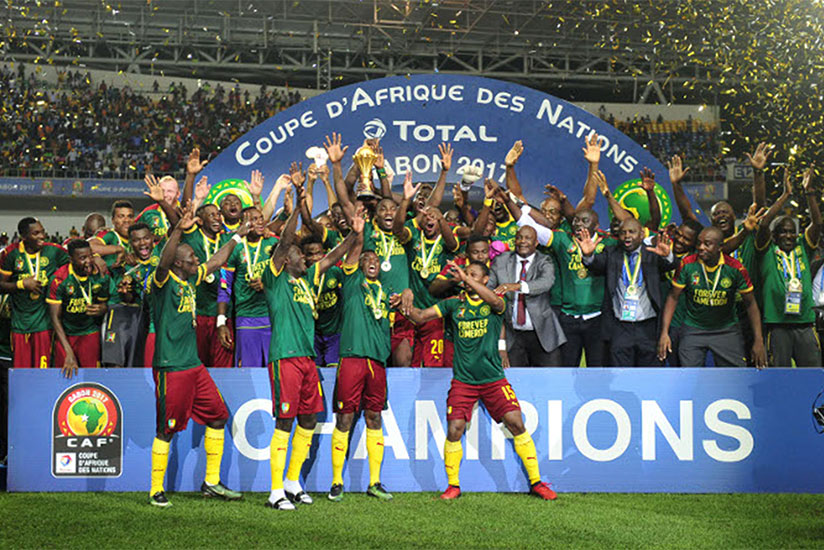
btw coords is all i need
(87, 432)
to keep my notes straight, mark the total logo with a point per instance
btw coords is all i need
(65, 463)
(410, 129)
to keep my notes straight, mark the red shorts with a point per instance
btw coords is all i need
(295, 387)
(209, 350)
(32, 350)
(498, 398)
(148, 350)
(86, 350)
(431, 348)
(184, 394)
(361, 383)
(402, 329)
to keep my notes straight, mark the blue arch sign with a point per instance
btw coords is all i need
(480, 117)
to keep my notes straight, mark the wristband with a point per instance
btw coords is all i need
(381, 172)
(20, 284)
(221, 321)
(488, 202)
(237, 238)
(501, 345)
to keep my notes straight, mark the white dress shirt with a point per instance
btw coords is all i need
(524, 290)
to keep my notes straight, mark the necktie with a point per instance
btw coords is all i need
(521, 318)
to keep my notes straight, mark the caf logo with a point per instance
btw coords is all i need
(631, 196)
(87, 429)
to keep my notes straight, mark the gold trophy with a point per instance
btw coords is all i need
(365, 159)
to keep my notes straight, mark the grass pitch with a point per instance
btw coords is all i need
(416, 520)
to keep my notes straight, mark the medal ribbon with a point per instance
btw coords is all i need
(249, 262)
(320, 288)
(35, 271)
(86, 296)
(387, 245)
(376, 301)
(190, 295)
(206, 245)
(794, 267)
(427, 258)
(302, 284)
(631, 279)
(717, 276)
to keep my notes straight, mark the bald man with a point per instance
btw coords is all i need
(633, 299)
(525, 277)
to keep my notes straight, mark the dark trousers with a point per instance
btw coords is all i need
(526, 351)
(582, 336)
(635, 344)
(4, 408)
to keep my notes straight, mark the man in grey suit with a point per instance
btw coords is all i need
(533, 333)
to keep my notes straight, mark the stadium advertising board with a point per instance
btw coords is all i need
(621, 430)
(73, 187)
(480, 117)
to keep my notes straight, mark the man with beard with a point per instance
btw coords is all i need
(429, 243)
(25, 275)
(710, 281)
(241, 278)
(77, 300)
(632, 295)
(126, 332)
(329, 305)
(290, 289)
(786, 279)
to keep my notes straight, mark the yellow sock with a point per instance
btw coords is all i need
(340, 442)
(277, 457)
(160, 459)
(452, 455)
(374, 448)
(213, 443)
(301, 442)
(525, 448)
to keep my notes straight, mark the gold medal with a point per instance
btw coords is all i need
(582, 273)
(210, 278)
(632, 290)
(425, 272)
(386, 265)
(378, 314)
(795, 285)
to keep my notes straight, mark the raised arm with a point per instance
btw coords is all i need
(287, 238)
(762, 237)
(592, 154)
(336, 152)
(167, 256)
(758, 160)
(386, 181)
(750, 224)
(409, 190)
(483, 216)
(220, 257)
(436, 196)
(193, 167)
(450, 242)
(617, 210)
(344, 247)
(676, 174)
(813, 231)
(648, 185)
(323, 174)
(486, 294)
(156, 194)
(512, 183)
(281, 184)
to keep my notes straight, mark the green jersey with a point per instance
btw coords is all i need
(138, 276)
(505, 231)
(581, 292)
(476, 329)
(112, 238)
(711, 291)
(74, 293)
(387, 247)
(291, 303)
(328, 300)
(205, 248)
(331, 238)
(173, 315)
(777, 271)
(250, 261)
(28, 309)
(426, 257)
(666, 285)
(154, 217)
(365, 328)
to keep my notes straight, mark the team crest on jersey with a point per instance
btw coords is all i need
(696, 280)
(44, 261)
(70, 288)
(485, 310)
(726, 282)
(331, 283)
(154, 260)
(110, 337)
(179, 291)
(599, 248)
(284, 408)
(172, 423)
(18, 265)
(571, 249)
(461, 312)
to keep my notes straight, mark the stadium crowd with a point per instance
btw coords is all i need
(387, 279)
(82, 129)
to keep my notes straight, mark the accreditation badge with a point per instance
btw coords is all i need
(792, 303)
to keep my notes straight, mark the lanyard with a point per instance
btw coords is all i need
(211, 251)
(320, 288)
(35, 270)
(426, 259)
(717, 276)
(190, 295)
(86, 295)
(302, 284)
(630, 279)
(250, 264)
(387, 244)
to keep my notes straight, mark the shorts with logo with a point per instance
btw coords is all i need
(498, 398)
(431, 348)
(295, 387)
(31, 350)
(86, 350)
(361, 384)
(184, 394)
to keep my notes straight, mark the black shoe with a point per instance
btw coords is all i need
(219, 491)
(299, 498)
(280, 504)
(335, 493)
(378, 491)
(159, 499)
